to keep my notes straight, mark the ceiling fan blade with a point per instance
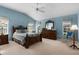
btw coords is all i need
(37, 9)
(42, 7)
(41, 10)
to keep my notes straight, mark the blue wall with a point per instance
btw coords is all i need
(58, 26)
(58, 23)
(15, 18)
(73, 19)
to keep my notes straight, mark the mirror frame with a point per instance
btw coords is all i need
(49, 21)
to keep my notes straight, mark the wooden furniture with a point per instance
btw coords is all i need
(32, 40)
(3, 39)
(50, 34)
(18, 27)
(29, 40)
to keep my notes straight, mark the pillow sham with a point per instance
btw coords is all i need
(21, 30)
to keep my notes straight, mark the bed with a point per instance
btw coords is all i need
(25, 38)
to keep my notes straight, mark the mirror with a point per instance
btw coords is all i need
(49, 24)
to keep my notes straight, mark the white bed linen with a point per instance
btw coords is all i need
(19, 36)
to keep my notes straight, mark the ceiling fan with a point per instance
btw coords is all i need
(40, 9)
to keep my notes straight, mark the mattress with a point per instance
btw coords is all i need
(21, 36)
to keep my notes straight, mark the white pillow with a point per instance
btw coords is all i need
(21, 31)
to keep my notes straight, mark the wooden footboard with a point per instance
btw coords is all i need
(32, 40)
(29, 40)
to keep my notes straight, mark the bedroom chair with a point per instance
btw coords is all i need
(69, 35)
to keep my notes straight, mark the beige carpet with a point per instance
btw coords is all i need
(46, 47)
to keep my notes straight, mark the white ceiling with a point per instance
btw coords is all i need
(51, 9)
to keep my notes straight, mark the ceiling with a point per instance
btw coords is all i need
(51, 9)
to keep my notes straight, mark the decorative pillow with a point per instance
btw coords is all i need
(21, 31)
(18, 31)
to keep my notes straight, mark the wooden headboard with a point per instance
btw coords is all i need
(18, 27)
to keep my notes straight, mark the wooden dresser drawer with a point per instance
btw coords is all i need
(50, 34)
(3, 39)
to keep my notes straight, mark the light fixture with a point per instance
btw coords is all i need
(74, 28)
(39, 9)
(30, 24)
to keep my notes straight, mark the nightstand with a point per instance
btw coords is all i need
(3, 39)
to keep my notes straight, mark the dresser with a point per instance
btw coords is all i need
(3, 39)
(49, 34)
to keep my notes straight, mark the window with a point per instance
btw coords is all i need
(3, 25)
(30, 27)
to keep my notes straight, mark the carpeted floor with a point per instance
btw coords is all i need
(46, 47)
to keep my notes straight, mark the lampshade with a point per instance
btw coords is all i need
(30, 24)
(74, 27)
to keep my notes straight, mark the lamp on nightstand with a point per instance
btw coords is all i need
(73, 29)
